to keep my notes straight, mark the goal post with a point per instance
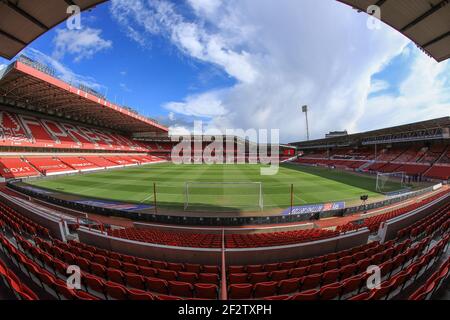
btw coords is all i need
(223, 196)
(389, 181)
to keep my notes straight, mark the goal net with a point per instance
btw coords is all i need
(223, 196)
(388, 182)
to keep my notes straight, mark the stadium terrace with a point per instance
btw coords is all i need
(93, 191)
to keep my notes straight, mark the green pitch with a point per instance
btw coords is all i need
(135, 184)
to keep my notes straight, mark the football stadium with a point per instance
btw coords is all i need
(102, 201)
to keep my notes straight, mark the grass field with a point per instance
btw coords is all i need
(135, 184)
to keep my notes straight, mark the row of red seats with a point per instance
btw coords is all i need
(321, 285)
(373, 223)
(303, 279)
(201, 240)
(35, 166)
(169, 238)
(332, 269)
(116, 284)
(277, 238)
(57, 287)
(438, 219)
(12, 282)
(395, 285)
(29, 131)
(434, 282)
(87, 251)
(118, 271)
(19, 223)
(366, 249)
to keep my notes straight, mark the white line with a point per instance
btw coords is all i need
(148, 198)
(300, 199)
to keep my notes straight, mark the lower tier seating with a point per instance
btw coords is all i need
(11, 168)
(10, 281)
(339, 275)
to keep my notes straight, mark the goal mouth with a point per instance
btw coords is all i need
(223, 196)
(390, 182)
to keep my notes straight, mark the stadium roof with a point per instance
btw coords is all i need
(21, 22)
(425, 22)
(357, 137)
(38, 91)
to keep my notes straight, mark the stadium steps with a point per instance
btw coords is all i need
(366, 165)
(444, 153)
(32, 165)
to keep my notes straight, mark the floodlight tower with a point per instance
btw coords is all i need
(305, 111)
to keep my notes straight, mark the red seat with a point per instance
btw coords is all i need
(129, 267)
(348, 271)
(309, 295)
(115, 291)
(330, 276)
(288, 286)
(64, 293)
(238, 278)
(271, 267)
(236, 269)
(156, 285)
(240, 291)
(175, 266)
(115, 276)
(194, 268)
(181, 289)
(148, 271)
(81, 295)
(331, 291)
(211, 269)
(259, 277)
(135, 281)
(208, 278)
(168, 275)
(255, 268)
(352, 284)
(189, 277)
(206, 290)
(311, 282)
(279, 275)
(134, 294)
(265, 289)
(298, 272)
(98, 270)
(94, 283)
(316, 268)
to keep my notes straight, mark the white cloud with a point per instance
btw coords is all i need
(378, 86)
(81, 44)
(179, 131)
(423, 95)
(160, 18)
(284, 54)
(204, 105)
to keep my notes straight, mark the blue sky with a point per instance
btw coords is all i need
(249, 64)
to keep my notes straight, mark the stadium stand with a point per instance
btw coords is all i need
(50, 165)
(339, 275)
(38, 132)
(16, 168)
